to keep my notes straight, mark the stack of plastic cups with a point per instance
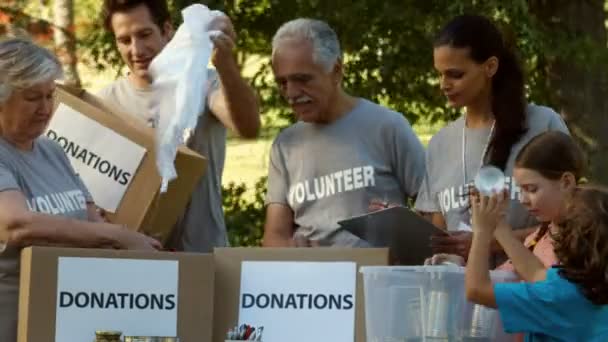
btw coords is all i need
(482, 324)
(426, 303)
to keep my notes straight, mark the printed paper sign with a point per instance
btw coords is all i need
(137, 297)
(299, 301)
(105, 160)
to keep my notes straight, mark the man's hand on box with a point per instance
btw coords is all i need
(302, 241)
(442, 259)
(133, 240)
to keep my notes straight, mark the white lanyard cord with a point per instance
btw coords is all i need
(464, 149)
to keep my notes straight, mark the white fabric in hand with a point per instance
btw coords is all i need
(179, 75)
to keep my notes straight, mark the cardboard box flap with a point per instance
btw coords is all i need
(107, 108)
(142, 206)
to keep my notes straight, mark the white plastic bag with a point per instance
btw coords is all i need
(179, 75)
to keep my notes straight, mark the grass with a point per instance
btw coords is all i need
(246, 161)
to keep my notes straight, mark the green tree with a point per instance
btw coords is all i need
(388, 55)
(58, 34)
(576, 76)
(65, 40)
(388, 47)
(244, 217)
(388, 50)
(13, 16)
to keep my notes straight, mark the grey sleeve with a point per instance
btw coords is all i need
(278, 183)
(425, 201)
(214, 83)
(7, 179)
(408, 156)
(87, 195)
(214, 80)
(103, 93)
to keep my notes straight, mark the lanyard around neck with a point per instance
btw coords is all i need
(464, 149)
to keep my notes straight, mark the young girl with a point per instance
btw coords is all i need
(547, 170)
(568, 302)
(480, 74)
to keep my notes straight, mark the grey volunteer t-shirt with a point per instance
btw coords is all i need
(326, 173)
(202, 226)
(444, 190)
(47, 180)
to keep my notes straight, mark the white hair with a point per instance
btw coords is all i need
(24, 64)
(325, 44)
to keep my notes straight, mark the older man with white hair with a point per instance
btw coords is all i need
(343, 153)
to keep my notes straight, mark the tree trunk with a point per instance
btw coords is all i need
(65, 40)
(580, 87)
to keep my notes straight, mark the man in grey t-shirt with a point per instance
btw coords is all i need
(344, 152)
(142, 29)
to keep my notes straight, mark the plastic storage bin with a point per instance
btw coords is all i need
(427, 303)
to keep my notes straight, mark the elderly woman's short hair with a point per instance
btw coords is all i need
(24, 64)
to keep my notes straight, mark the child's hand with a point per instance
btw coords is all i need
(488, 211)
(443, 259)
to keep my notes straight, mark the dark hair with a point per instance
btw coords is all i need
(581, 243)
(159, 11)
(483, 40)
(552, 154)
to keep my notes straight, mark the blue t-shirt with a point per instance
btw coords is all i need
(551, 310)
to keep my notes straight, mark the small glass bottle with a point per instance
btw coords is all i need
(107, 336)
(489, 180)
(150, 339)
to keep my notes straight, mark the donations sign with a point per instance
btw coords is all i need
(299, 301)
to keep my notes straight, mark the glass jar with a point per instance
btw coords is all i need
(108, 336)
(151, 339)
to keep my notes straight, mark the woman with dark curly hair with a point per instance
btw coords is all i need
(568, 302)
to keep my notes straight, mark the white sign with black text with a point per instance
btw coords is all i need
(299, 301)
(137, 297)
(105, 160)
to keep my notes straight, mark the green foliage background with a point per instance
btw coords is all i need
(388, 54)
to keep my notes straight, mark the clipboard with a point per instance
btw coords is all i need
(405, 233)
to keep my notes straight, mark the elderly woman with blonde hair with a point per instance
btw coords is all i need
(42, 199)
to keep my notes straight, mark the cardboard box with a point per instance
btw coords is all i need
(228, 275)
(40, 281)
(142, 207)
